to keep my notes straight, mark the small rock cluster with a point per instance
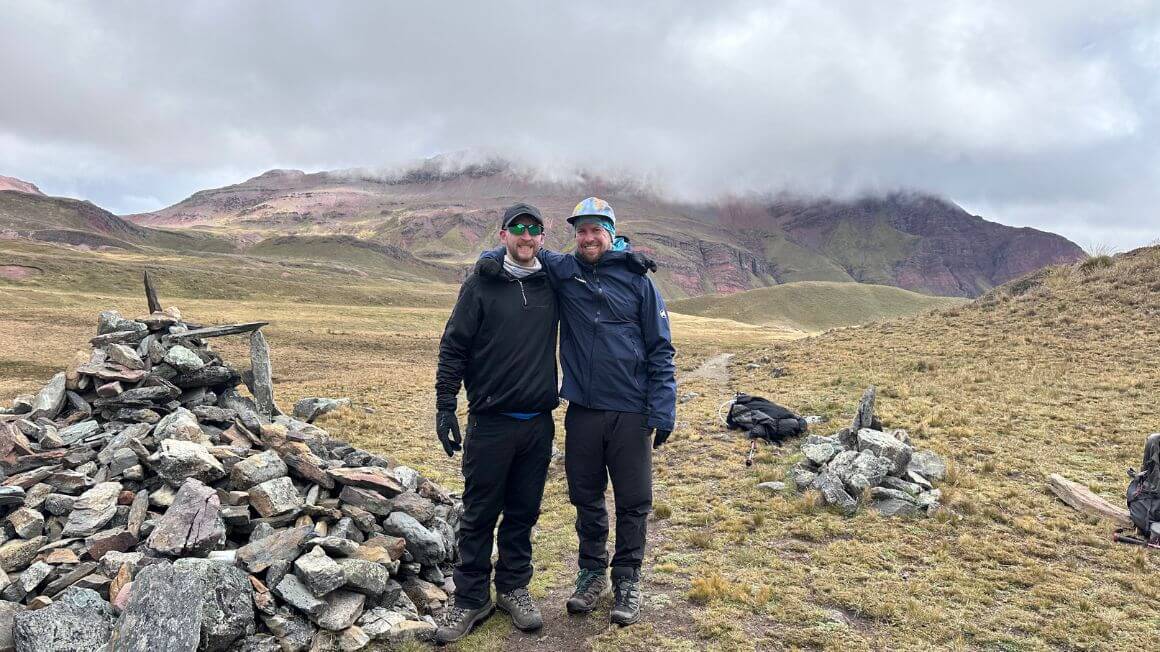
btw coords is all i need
(148, 505)
(865, 461)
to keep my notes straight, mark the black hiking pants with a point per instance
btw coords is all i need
(505, 464)
(600, 444)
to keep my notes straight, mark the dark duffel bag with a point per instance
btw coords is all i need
(764, 419)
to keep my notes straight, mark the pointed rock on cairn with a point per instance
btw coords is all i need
(863, 460)
(150, 505)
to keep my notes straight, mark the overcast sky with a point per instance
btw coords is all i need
(1029, 113)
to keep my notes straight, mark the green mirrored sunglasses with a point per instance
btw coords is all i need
(518, 229)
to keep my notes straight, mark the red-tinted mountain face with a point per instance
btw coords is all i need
(914, 241)
(12, 183)
(920, 243)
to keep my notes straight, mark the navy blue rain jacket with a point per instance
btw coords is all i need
(615, 343)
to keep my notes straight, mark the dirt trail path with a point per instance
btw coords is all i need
(715, 368)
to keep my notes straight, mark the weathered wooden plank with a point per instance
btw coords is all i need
(217, 331)
(1081, 498)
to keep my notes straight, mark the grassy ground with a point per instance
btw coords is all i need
(1057, 375)
(815, 306)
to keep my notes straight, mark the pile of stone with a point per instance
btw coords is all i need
(865, 462)
(147, 504)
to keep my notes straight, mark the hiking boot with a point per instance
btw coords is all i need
(525, 614)
(626, 610)
(458, 621)
(591, 585)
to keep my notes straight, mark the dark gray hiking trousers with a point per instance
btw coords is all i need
(505, 464)
(600, 444)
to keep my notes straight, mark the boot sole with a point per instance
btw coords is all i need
(522, 628)
(476, 622)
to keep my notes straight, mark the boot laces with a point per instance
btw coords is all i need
(522, 599)
(586, 581)
(628, 592)
(454, 614)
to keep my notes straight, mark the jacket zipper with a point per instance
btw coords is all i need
(522, 293)
(595, 326)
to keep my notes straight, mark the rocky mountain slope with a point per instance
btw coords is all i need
(31, 215)
(912, 241)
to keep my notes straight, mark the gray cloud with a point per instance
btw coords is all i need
(1030, 113)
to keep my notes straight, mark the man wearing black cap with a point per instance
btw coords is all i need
(500, 342)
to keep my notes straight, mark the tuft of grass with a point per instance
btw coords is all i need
(1094, 263)
(662, 511)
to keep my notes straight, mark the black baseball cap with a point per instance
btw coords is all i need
(517, 210)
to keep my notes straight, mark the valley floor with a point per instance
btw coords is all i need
(1061, 376)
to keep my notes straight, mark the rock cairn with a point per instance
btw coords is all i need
(864, 461)
(148, 505)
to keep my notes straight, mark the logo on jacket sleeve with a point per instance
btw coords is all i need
(664, 315)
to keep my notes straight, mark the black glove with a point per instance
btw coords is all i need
(661, 437)
(640, 263)
(489, 267)
(447, 428)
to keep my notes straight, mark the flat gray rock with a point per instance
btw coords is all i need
(79, 620)
(364, 576)
(93, 510)
(895, 507)
(8, 611)
(277, 497)
(424, 545)
(802, 478)
(181, 424)
(820, 450)
(285, 544)
(883, 445)
(182, 359)
(256, 469)
(78, 432)
(227, 603)
(125, 356)
(18, 554)
(177, 460)
(163, 613)
(318, 572)
(928, 465)
(296, 594)
(834, 492)
(50, 399)
(311, 408)
(192, 525)
(342, 610)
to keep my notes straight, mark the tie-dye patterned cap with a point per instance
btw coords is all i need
(593, 207)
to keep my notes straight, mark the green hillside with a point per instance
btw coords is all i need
(814, 306)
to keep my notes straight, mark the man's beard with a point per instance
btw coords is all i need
(515, 254)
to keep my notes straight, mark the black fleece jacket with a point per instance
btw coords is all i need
(500, 342)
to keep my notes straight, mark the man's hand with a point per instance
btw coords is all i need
(661, 437)
(640, 263)
(447, 428)
(489, 267)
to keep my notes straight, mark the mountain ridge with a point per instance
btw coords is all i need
(910, 240)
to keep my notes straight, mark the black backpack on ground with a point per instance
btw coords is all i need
(764, 419)
(1144, 489)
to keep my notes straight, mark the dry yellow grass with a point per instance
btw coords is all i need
(1062, 377)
